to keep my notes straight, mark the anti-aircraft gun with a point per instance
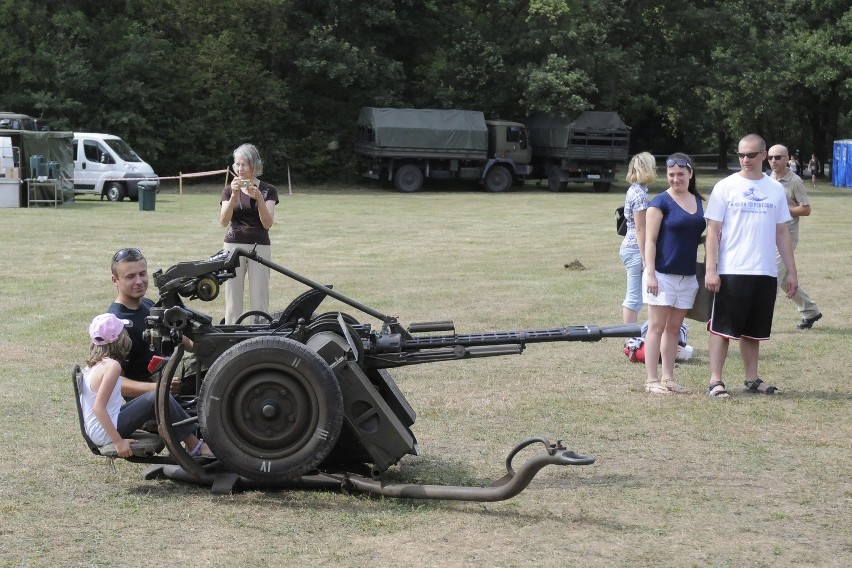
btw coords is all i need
(302, 398)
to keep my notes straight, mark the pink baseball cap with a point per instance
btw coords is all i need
(106, 328)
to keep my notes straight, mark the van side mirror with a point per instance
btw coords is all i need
(106, 158)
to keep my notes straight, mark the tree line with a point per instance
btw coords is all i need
(186, 81)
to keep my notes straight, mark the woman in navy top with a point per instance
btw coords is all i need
(673, 226)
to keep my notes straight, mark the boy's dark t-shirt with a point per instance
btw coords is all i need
(136, 365)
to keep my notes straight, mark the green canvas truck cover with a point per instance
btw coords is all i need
(428, 129)
(548, 131)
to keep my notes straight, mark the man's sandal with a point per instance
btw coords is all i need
(758, 386)
(656, 388)
(718, 390)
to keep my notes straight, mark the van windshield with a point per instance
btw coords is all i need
(124, 151)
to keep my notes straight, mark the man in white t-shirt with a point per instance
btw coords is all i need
(747, 218)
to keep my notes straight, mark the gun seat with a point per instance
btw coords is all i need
(147, 445)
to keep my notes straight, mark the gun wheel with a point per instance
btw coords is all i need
(270, 409)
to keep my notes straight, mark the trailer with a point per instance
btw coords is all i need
(587, 149)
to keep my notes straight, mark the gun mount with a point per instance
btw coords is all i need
(303, 398)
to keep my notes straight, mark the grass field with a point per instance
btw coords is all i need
(679, 481)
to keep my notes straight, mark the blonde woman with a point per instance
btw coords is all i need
(641, 172)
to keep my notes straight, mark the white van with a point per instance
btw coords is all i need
(107, 166)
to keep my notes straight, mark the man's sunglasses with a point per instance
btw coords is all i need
(682, 162)
(127, 252)
(749, 155)
(778, 157)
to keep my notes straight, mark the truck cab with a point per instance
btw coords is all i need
(106, 165)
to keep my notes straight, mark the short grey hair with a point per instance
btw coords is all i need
(249, 153)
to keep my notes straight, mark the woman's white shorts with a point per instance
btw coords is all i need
(674, 290)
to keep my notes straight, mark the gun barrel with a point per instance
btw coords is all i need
(573, 333)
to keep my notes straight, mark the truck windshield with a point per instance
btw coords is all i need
(124, 151)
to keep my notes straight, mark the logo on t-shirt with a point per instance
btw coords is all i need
(751, 194)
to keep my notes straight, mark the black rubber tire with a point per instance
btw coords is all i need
(115, 191)
(408, 178)
(601, 186)
(498, 179)
(262, 314)
(270, 409)
(553, 179)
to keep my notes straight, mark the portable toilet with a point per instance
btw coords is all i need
(841, 167)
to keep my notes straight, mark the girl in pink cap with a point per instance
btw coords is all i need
(107, 418)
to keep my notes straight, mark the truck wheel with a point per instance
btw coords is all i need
(554, 179)
(270, 409)
(408, 178)
(115, 191)
(601, 186)
(498, 179)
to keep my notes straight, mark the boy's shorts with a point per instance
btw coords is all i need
(744, 306)
(674, 290)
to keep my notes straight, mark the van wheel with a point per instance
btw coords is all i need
(408, 178)
(601, 187)
(115, 191)
(498, 179)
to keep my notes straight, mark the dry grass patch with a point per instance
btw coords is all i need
(680, 481)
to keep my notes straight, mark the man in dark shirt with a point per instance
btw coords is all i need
(130, 278)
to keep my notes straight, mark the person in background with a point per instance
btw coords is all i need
(792, 164)
(674, 224)
(747, 218)
(813, 166)
(641, 171)
(105, 417)
(248, 211)
(797, 202)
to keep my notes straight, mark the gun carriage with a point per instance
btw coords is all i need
(303, 398)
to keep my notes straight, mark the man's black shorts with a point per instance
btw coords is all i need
(744, 306)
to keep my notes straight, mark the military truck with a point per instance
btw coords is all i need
(586, 149)
(405, 146)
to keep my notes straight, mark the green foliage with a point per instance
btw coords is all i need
(558, 87)
(186, 82)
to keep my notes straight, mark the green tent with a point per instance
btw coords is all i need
(52, 149)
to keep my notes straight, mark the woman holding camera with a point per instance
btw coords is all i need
(248, 211)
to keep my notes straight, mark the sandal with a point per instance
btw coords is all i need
(717, 390)
(201, 451)
(758, 386)
(656, 388)
(674, 387)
